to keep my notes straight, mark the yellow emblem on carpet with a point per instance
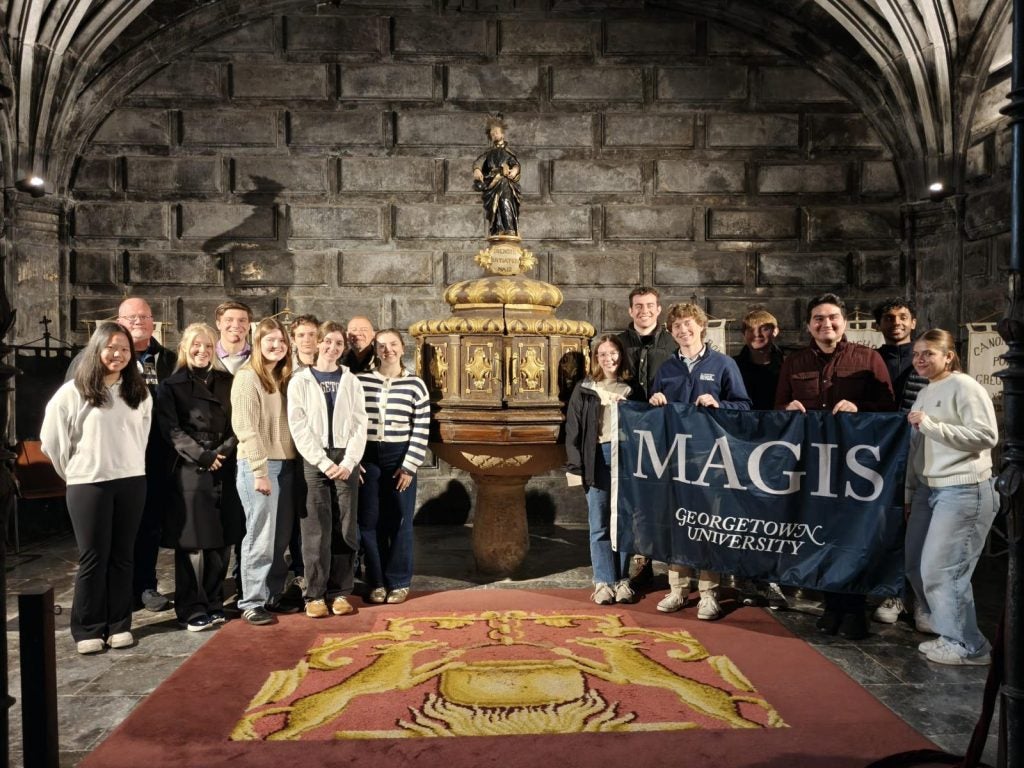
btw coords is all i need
(503, 673)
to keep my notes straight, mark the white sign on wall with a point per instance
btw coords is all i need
(715, 336)
(984, 349)
(863, 332)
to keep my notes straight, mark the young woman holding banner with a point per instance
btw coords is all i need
(952, 501)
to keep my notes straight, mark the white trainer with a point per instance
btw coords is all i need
(888, 612)
(708, 609)
(673, 601)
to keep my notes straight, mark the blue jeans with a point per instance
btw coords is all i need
(268, 528)
(385, 518)
(609, 566)
(945, 535)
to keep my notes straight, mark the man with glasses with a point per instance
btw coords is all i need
(359, 335)
(835, 375)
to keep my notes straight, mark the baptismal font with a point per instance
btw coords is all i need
(500, 369)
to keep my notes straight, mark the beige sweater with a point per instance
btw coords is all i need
(260, 421)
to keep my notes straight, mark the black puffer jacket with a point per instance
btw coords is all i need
(644, 360)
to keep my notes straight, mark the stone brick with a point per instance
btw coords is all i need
(93, 268)
(879, 177)
(387, 81)
(448, 36)
(335, 222)
(882, 270)
(94, 174)
(533, 130)
(219, 221)
(614, 315)
(701, 176)
(596, 269)
(406, 311)
(334, 34)
(561, 223)
(279, 81)
(336, 128)
(753, 223)
(162, 268)
(644, 38)
(643, 130)
(806, 177)
(552, 37)
(987, 213)
(633, 222)
(135, 126)
(229, 127)
(377, 268)
(492, 81)
(842, 131)
(257, 37)
(271, 267)
(699, 268)
(288, 175)
(789, 313)
(387, 174)
(604, 84)
(721, 83)
(1004, 147)
(852, 223)
(201, 310)
(775, 130)
(173, 174)
(977, 258)
(190, 78)
(803, 269)
(595, 176)
(439, 221)
(977, 161)
(120, 220)
(726, 40)
(986, 113)
(794, 84)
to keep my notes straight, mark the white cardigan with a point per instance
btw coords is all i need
(307, 419)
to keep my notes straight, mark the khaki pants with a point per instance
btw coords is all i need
(707, 583)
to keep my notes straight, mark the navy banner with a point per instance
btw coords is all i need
(811, 500)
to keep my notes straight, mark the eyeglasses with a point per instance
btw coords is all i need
(135, 318)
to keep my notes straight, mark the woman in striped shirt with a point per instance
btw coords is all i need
(398, 410)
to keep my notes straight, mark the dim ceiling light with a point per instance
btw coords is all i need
(936, 186)
(36, 181)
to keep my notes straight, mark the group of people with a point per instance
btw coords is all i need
(298, 450)
(950, 498)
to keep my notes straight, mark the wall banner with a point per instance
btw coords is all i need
(985, 348)
(810, 500)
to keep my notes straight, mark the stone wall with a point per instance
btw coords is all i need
(320, 162)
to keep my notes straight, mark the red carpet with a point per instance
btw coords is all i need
(508, 677)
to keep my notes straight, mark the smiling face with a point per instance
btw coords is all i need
(609, 359)
(827, 325)
(274, 346)
(389, 348)
(116, 354)
(931, 360)
(760, 336)
(897, 325)
(233, 326)
(645, 309)
(360, 333)
(136, 317)
(688, 335)
(201, 351)
(304, 336)
(330, 348)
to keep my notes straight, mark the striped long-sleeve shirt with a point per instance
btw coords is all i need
(398, 410)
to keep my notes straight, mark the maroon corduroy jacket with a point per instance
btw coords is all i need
(819, 381)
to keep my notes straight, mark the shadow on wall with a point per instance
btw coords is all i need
(450, 507)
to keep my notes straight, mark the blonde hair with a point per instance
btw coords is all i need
(188, 336)
(758, 317)
(944, 340)
(270, 378)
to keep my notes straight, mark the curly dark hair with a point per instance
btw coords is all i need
(895, 302)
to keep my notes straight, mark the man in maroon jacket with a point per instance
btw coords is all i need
(835, 375)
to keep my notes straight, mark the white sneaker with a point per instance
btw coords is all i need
(888, 612)
(673, 601)
(121, 640)
(956, 655)
(603, 594)
(708, 609)
(923, 622)
(92, 645)
(624, 593)
(927, 645)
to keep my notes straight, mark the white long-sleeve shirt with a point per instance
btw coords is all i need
(307, 419)
(91, 445)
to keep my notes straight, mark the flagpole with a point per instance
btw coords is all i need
(1011, 478)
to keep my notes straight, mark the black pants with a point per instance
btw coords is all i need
(147, 540)
(105, 517)
(198, 581)
(330, 535)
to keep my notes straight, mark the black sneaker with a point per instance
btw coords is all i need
(258, 616)
(278, 604)
(218, 617)
(199, 623)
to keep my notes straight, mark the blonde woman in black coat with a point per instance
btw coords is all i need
(203, 518)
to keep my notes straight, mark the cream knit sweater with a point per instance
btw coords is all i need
(260, 421)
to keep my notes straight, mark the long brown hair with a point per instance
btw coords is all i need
(89, 374)
(596, 372)
(276, 377)
(944, 340)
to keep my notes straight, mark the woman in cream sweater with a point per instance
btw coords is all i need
(952, 500)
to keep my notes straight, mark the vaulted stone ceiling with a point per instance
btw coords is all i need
(915, 67)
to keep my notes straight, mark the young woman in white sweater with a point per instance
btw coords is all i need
(952, 500)
(327, 418)
(95, 432)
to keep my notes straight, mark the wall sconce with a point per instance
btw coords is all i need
(34, 185)
(937, 191)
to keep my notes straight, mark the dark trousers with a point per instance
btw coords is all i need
(105, 517)
(198, 581)
(298, 566)
(147, 540)
(385, 518)
(330, 536)
(837, 602)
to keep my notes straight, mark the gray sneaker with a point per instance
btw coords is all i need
(154, 601)
(603, 594)
(624, 593)
(888, 612)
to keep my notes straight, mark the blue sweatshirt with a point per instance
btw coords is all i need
(713, 374)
